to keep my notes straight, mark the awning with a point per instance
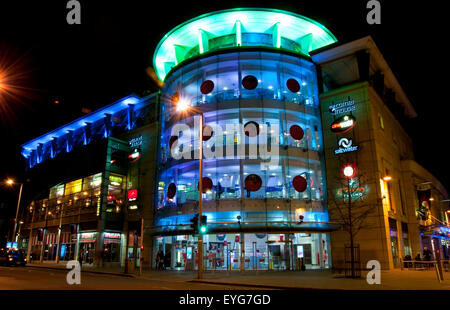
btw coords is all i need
(320, 227)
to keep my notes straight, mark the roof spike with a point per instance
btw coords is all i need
(276, 35)
(306, 43)
(203, 41)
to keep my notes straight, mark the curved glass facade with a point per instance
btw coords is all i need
(275, 92)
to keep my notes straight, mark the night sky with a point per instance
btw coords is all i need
(105, 58)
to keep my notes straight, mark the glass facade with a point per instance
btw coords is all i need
(277, 95)
(270, 103)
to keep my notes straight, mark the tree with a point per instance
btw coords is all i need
(348, 206)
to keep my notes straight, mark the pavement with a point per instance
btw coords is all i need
(390, 280)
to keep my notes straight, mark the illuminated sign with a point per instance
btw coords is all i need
(343, 124)
(132, 194)
(8, 245)
(342, 107)
(355, 193)
(136, 141)
(299, 251)
(345, 146)
(112, 235)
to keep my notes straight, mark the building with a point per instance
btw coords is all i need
(360, 89)
(284, 109)
(89, 178)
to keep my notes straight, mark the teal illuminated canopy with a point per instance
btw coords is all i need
(239, 27)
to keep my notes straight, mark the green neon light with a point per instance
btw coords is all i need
(200, 41)
(183, 39)
(238, 33)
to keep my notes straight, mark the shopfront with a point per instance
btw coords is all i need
(87, 247)
(252, 251)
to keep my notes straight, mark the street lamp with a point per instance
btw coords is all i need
(183, 106)
(11, 182)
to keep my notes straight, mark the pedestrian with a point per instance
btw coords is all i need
(426, 254)
(160, 260)
(80, 258)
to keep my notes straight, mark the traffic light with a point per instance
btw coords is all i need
(194, 224)
(203, 227)
(142, 247)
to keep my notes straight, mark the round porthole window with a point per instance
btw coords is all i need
(296, 132)
(299, 183)
(250, 82)
(171, 190)
(207, 184)
(207, 87)
(251, 129)
(253, 182)
(293, 85)
(207, 133)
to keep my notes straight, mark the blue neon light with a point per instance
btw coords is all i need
(113, 108)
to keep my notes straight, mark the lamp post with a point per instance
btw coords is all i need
(181, 107)
(11, 182)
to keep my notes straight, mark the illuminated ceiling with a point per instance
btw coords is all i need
(194, 36)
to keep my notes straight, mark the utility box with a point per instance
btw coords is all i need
(131, 265)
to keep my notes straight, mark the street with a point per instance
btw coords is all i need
(29, 278)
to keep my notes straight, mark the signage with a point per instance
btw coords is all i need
(299, 251)
(136, 141)
(342, 107)
(345, 146)
(354, 192)
(8, 245)
(63, 250)
(88, 237)
(132, 194)
(189, 252)
(112, 235)
(343, 124)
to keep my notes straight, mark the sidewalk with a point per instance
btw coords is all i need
(84, 268)
(390, 280)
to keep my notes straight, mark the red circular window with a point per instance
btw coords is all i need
(293, 85)
(207, 184)
(171, 190)
(207, 133)
(173, 140)
(251, 129)
(207, 87)
(250, 82)
(296, 132)
(299, 183)
(253, 182)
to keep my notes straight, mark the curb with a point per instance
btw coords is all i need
(88, 271)
(280, 287)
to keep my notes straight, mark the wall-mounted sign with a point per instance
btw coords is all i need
(134, 142)
(132, 194)
(343, 124)
(355, 193)
(345, 146)
(112, 235)
(299, 251)
(342, 107)
(88, 237)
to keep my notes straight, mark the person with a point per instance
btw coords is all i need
(426, 254)
(407, 258)
(160, 260)
(80, 258)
